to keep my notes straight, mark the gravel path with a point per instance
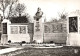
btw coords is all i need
(7, 50)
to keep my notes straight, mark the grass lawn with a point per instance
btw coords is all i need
(65, 51)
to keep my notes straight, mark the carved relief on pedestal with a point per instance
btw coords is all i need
(73, 24)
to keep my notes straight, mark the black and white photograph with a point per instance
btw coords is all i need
(39, 27)
(73, 24)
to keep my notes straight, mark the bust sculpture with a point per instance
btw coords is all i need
(38, 14)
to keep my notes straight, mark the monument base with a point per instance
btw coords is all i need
(4, 39)
(73, 39)
(38, 38)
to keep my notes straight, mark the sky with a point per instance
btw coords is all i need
(50, 8)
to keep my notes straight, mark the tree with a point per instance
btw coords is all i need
(17, 10)
(4, 4)
(11, 7)
(53, 20)
(20, 9)
(76, 12)
(22, 19)
(63, 15)
(17, 14)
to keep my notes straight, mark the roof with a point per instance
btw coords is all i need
(6, 21)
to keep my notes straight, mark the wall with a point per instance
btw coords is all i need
(18, 33)
(55, 37)
(31, 31)
(55, 31)
(73, 38)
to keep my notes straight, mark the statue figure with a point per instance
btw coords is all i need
(73, 25)
(38, 14)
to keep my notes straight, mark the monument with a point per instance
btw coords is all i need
(38, 27)
(73, 29)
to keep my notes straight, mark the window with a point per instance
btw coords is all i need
(14, 30)
(22, 29)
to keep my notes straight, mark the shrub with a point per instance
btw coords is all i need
(51, 42)
(23, 42)
(9, 41)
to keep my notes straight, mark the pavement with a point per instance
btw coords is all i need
(7, 50)
(49, 47)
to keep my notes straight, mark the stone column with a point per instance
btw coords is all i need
(4, 36)
(38, 27)
(73, 29)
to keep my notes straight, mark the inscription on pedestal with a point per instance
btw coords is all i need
(37, 26)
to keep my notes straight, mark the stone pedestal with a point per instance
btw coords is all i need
(73, 29)
(38, 31)
(38, 27)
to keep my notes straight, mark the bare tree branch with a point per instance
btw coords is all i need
(10, 7)
(4, 5)
(20, 8)
(62, 15)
